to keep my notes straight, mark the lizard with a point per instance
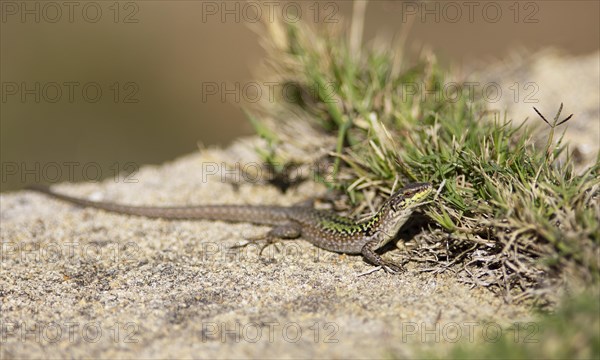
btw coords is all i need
(324, 229)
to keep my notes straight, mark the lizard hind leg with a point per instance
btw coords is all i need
(273, 236)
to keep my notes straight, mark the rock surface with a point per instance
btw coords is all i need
(86, 283)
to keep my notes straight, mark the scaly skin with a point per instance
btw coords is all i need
(322, 228)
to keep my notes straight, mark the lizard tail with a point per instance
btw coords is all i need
(234, 213)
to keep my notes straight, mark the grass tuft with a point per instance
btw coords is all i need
(510, 216)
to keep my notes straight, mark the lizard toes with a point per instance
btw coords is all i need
(392, 268)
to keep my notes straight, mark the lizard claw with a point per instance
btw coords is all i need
(392, 268)
(387, 267)
(268, 240)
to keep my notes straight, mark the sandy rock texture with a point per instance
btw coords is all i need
(81, 282)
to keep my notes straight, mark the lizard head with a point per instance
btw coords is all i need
(398, 208)
(409, 196)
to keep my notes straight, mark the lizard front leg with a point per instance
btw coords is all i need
(368, 251)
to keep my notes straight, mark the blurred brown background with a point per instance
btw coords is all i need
(105, 83)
